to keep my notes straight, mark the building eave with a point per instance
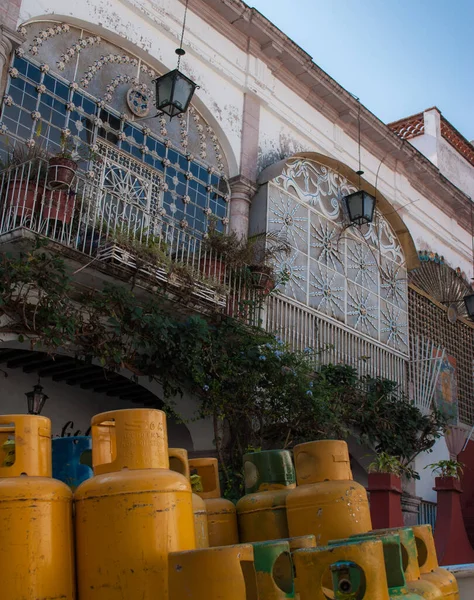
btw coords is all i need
(254, 33)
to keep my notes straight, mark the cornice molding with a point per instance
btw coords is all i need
(294, 67)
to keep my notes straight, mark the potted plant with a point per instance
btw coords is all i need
(448, 471)
(385, 487)
(262, 251)
(23, 181)
(218, 250)
(63, 165)
(133, 246)
(452, 543)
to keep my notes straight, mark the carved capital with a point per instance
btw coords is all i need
(242, 188)
(9, 41)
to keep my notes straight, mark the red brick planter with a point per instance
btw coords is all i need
(452, 543)
(385, 500)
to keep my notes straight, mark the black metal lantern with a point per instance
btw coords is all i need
(469, 304)
(360, 207)
(174, 92)
(36, 400)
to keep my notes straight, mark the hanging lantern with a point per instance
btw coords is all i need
(174, 92)
(36, 400)
(469, 304)
(360, 207)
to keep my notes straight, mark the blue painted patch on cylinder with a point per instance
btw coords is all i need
(72, 460)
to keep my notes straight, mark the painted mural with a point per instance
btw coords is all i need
(446, 391)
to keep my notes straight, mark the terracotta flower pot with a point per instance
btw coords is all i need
(384, 481)
(213, 268)
(23, 198)
(452, 543)
(58, 206)
(61, 173)
(385, 500)
(263, 279)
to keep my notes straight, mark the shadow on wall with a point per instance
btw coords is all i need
(71, 408)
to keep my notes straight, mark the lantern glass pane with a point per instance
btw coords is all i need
(355, 206)
(369, 206)
(469, 304)
(183, 91)
(164, 90)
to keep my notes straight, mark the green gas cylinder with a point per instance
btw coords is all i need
(261, 513)
(414, 583)
(392, 552)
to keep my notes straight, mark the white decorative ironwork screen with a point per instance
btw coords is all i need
(355, 278)
(66, 82)
(426, 359)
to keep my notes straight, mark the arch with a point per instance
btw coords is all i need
(112, 37)
(383, 204)
(75, 387)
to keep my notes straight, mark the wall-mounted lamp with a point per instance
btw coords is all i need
(36, 399)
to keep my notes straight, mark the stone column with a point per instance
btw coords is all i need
(244, 185)
(385, 506)
(9, 40)
(243, 191)
(452, 544)
(410, 509)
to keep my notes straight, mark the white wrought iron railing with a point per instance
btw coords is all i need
(303, 327)
(89, 217)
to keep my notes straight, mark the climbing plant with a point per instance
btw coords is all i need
(258, 393)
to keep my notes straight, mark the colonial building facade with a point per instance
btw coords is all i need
(270, 144)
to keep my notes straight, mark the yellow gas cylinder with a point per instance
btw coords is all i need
(302, 541)
(327, 502)
(221, 514)
(414, 582)
(133, 512)
(358, 572)
(221, 573)
(261, 513)
(428, 563)
(392, 551)
(179, 463)
(274, 570)
(36, 532)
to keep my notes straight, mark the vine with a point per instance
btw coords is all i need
(257, 391)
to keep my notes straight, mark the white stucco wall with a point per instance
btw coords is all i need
(424, 487)
(287, 124)
(71, 403)
(456, 168)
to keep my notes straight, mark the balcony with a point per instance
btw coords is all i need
(106, 236)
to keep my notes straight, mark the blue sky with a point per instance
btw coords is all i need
(398, 56)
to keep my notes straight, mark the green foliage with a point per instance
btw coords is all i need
(258, 393)
(384, 463)
(447, 468)
(71, 148)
